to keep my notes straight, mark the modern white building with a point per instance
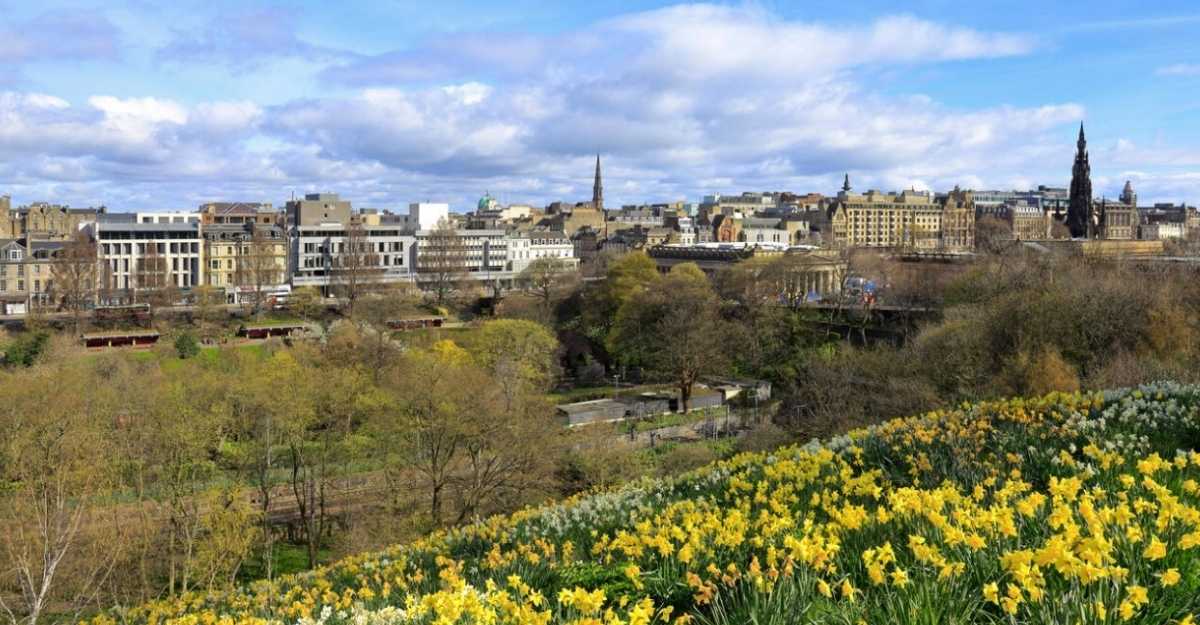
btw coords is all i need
(167, 217)
(483, 254)
(138, 255)
(425, 215)
(317, 250)
(524, 248)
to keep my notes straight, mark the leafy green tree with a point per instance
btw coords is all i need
(186, 346)
(628, 276)
(675, 330)
(519, 355)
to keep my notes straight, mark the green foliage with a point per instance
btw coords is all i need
(186, 346)
(24, 350)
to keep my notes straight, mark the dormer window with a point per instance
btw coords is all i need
(14, 254)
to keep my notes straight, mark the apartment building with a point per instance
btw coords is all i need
(525, 248)
(910, 219)
(146, 252)
(246, 259)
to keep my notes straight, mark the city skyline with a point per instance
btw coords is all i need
(142, 107)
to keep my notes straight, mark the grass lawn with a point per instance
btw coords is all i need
(288, 559)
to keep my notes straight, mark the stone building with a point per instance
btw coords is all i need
(43, 221)
(27, 274)
(244, 259)
(909, 219)
(1116, 221)
(238, 213)
(958, 221)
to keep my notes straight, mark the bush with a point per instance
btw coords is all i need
(186, 345)
(685, 457)
(765, 437)
(26, 348)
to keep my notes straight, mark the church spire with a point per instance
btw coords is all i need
(846, 183)
(1079, 208)
(598, 189)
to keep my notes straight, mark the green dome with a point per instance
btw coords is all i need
(485, 202)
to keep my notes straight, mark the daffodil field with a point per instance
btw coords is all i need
(1061, 509)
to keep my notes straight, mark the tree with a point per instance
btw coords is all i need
(152, 278)
(208, 310)
(675, 330)
(519, 355)
(545, 278)
(186, 346)
(74, 276)
(230, 532)
(306, 301)
(374, 314)
(356, 267)
(447, 425)
(442, 261)
(628, 276)
(259, 265)
(993, 235)
(56, 547)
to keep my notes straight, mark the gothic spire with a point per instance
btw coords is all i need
(846, 183)
(1080, 209)
(598, 188)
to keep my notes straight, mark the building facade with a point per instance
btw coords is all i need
(320, 252)
(138, 258)
(958, 221)
(245, 259)
(909, 219)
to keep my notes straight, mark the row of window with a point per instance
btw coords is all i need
(127, 249)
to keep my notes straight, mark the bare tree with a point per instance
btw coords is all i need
(74, 276)
(993, 235)
(356, 267)
(259, 267)
(546, 277)
(153, 279)
(442, 261)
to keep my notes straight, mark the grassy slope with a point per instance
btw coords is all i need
(1068, 508)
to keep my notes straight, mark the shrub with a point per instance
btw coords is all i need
(186, 345)
(26, 348)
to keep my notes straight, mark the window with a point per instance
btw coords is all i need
(14, 254)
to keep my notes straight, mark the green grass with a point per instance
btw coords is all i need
(170, 361)
(288, 558)
(270, 319)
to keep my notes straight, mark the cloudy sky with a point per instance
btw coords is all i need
(156, 105)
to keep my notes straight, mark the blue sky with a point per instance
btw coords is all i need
(143, 105)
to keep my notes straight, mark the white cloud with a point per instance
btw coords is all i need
(1179, 69)
(680, 101)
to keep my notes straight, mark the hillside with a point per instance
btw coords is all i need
(1061, 509)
